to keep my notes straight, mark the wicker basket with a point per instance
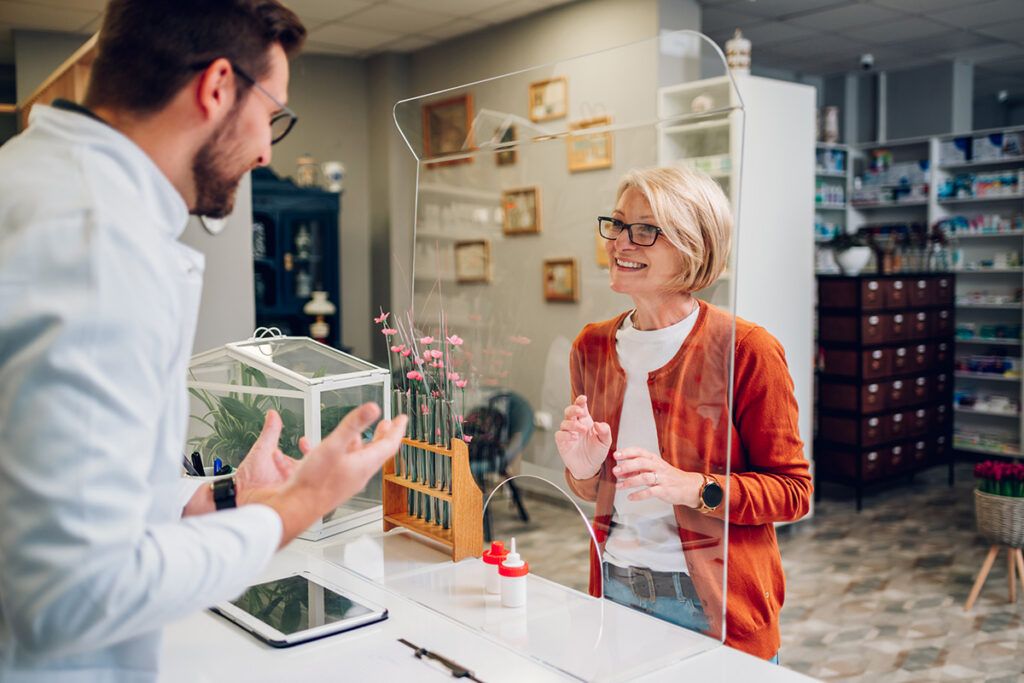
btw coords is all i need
(1000, 518)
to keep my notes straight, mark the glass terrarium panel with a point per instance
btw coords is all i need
(304, 357)
(226, 370)
(226, 424)
(334, 406)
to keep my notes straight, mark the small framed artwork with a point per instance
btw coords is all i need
(592, 151)
(521, 211)
(600, 251)
(473, 262)
(447, 128)
(561, 280)
(549, 99)
(507, 154)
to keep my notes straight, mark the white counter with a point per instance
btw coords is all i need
(560, 635)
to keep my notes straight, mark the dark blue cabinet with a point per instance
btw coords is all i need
(295, 252)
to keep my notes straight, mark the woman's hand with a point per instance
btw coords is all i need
(582, 443)
(637, 468)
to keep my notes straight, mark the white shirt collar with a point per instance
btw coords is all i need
(154, 187)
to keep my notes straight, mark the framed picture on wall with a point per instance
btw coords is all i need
(507, 154)
(549, 99)
(473, 262)
(561, 280)
(590, 151)
(521, 211)
(447, 128)
(600, 251)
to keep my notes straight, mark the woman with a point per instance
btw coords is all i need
(651, 424)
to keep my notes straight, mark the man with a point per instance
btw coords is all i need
(99, 545)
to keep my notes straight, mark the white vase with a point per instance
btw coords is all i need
(853, 260)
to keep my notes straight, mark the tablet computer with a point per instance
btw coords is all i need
(298, 608)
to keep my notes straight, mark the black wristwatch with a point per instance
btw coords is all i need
(711, 495)
(224, 493)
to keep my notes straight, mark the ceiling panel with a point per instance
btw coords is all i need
(946, 43)
(970, 14)
(899, 31)
(917, 6)
(773, 9)
(351, 36)
(508, 11)
(315, 12)
(716, 19)
(1012, 30)
(409, 44)
(396, 19)
(454, 28)
(313, 47)
(89, 5)
(44, 17)
(823, 45)
(455, 8)
(987, 53)
(846, 17)
(768, 32)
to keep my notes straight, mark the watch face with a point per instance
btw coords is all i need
(712, 495)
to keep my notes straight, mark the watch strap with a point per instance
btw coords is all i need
(224, 493)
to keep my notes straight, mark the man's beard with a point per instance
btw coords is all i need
(215, 185)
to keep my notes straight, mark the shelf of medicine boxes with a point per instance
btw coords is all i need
(705, 140)
(864, 213)
(954, 156)
(831, 168)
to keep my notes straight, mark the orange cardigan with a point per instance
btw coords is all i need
(769, 477)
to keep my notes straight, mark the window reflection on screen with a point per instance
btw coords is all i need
(296, 604)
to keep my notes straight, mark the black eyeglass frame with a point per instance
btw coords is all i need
(628, 227)
(285, 110)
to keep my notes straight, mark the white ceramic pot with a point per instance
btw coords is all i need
(853, 260)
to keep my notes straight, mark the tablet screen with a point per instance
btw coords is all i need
(295, 603)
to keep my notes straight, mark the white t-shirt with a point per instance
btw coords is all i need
(644, 533)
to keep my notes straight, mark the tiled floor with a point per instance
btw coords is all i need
(874, 596)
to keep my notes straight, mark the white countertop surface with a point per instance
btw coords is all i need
(560, 635)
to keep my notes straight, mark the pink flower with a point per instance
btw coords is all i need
(435, 364)
(455, 340)
(519, 339)
(389, 332)
(406, 353)
(426, 340)
(396, 349)
(467, 438)
(453, 376)
(438, 355)
(414, 375)
(381, 318)
(461, 384)
(418, 361)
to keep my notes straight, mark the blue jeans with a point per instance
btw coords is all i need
(677, 609)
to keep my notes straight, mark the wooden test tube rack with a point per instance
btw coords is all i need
(464, 534)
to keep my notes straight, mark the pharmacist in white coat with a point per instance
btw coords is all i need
(100, 543)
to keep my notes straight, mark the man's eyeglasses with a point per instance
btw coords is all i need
(640, 234)
(282, 122)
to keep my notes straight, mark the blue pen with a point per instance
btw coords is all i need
(217, 465)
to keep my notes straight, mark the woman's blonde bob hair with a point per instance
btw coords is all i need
(695, 217)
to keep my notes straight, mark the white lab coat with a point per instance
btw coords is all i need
(98, 306)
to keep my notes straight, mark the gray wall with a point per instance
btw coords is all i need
(920, 101)
(228, 309)
(37, 54)
(330, 96)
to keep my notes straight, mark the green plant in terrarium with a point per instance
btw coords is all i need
(235, 421)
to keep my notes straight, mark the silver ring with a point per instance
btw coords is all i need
(655, 478)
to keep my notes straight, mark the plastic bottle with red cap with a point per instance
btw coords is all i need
(493, 557)
(513, 571)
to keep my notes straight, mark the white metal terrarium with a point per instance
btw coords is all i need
(311, 385)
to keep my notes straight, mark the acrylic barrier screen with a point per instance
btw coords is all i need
(515, 175)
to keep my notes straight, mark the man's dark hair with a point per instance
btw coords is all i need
(149, 49)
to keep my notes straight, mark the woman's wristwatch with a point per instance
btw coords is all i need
(711, 495)
(224, 493)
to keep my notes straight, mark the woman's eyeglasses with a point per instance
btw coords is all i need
(640, 234)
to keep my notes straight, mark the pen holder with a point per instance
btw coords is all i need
(435, 496)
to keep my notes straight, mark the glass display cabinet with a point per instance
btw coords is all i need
(312, 386)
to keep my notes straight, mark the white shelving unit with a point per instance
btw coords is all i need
(776, 263)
